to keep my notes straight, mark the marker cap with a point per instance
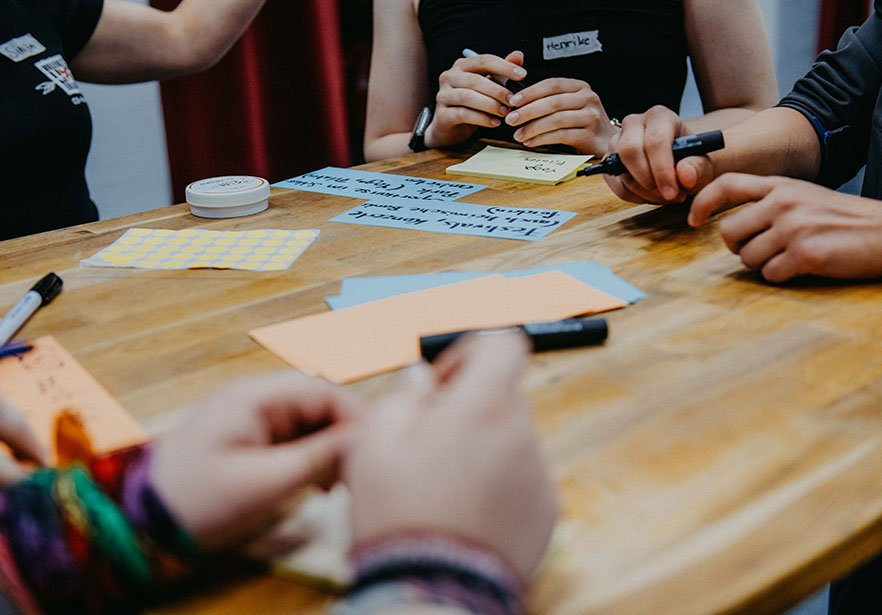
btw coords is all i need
(228, 197)
(48, 287)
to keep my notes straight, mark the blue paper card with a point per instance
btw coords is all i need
(368, 185)
(354, 291)
(458, 218)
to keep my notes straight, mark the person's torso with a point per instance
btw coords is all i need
(45, 125)
(631, 52)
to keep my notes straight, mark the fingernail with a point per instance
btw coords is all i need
(512, 118)
(520, 72)
(417, 375)
(495, 122)
(503, 109)
(518, 134)
(668, 192)
(514, 99)
(690, 219)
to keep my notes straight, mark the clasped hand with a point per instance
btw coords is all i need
(553, 111)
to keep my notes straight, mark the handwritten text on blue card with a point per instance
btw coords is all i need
(458, 218)
(368, 185)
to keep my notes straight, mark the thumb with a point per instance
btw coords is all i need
(310, 460)
(695, 172)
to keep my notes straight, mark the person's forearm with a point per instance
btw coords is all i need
(206, 29)
(777, 141)
(719, 119)
(387, 146)
(133, 42)
(103, 542)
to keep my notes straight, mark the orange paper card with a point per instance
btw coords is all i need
(47, 382)
(382, 335)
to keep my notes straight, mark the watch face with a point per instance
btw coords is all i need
(417, 143)
(422, 122)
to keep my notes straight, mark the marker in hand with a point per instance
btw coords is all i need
(513, 86)
(683, 147)
(42, 293)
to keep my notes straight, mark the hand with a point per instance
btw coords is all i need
(455, 452)
(795, 227)
(246, 448)
(644, 146)
(561, 111)
(467, 99)
(17, 435)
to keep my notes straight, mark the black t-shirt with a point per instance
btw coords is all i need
(45, 124)
(631, 52)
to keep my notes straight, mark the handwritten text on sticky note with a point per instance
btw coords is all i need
(458, 218)
(520, 165)
(368, 185)
(47, 381)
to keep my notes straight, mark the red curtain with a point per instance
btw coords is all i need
(836, 17)
(275, 106)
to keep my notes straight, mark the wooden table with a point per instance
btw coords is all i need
(722, 453)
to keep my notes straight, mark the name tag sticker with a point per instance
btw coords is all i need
(21, 48)
(569, 45)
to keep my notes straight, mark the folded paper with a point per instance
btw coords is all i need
(383, 335)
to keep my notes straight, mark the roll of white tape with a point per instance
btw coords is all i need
(228, 197)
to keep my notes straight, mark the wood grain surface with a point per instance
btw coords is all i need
(722, 453)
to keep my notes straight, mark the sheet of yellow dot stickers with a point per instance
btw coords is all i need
(260, 250)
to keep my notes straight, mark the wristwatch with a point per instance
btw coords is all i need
(418, 138)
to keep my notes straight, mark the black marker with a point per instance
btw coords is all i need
(553, 335)
(513, 86)
(683, 147)
(42, 293)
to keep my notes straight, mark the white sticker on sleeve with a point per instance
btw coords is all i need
(22, 48)
(569, 45)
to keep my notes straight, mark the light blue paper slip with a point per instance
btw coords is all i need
(354, 291)
(368, 185)
(458, 218)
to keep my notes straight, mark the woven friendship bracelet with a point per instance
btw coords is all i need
(431, 569)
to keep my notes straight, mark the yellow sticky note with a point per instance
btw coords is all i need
(379, 336)
(520, 165)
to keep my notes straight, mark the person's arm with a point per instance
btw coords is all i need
(133, 42)
(444, 522)
(466, 98)
(731, 59)
(397, 88)
(106, 537)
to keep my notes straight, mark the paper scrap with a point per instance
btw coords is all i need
(258, 250)
(47, 381)
(312, 543)
(383, 335)
(520, 165)
(368, 185)
(458, 218)
(354, 291)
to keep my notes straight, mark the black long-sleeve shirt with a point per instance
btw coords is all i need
(840, 96)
